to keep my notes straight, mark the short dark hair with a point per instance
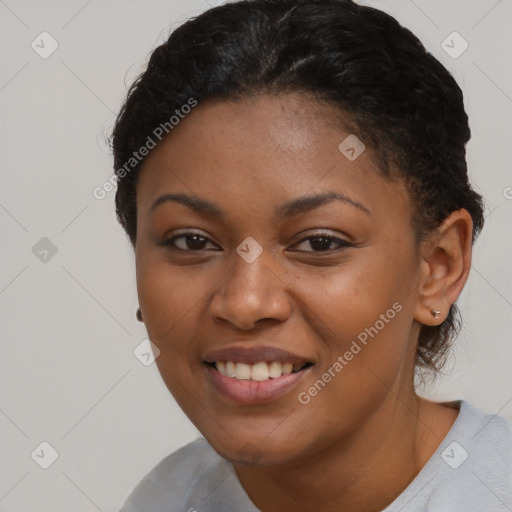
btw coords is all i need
(397, 97)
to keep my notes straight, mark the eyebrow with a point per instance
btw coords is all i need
(286, 210)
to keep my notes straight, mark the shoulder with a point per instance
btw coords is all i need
(491, 443)
(487, 439)
(471, 470)
(168, 485)
(476, 461)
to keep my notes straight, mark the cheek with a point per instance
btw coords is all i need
(169, 298)
(362, 312)
(348, 298)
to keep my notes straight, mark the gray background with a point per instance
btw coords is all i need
(68, 330)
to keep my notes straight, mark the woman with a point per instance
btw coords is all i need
(292, 177)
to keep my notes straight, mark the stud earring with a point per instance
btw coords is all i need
(436, 313)
(139, 315)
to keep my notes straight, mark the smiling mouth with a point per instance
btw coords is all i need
(260, 371)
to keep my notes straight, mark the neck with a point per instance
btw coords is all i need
(365, 471)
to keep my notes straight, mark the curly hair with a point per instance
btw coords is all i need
(396, 96)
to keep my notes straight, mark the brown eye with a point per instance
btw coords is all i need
(325, 243)
(188, 241)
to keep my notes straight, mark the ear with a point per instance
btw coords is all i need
(445, 265)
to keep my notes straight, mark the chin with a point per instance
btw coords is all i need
(254, 452)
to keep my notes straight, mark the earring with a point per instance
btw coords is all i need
(139, 315)
(436, 313)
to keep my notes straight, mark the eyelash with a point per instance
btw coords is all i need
(169, 243)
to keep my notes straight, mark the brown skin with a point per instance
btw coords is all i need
(358, 443)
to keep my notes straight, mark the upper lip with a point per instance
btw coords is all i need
(250, 355)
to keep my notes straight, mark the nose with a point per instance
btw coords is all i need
(251, 292)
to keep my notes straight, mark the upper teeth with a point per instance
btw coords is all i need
(258, 371)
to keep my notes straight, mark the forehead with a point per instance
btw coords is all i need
(265, 148)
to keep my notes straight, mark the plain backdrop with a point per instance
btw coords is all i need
(69, 376)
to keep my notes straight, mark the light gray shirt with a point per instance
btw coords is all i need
(471, 471)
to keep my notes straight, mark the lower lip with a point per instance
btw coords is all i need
(251, 392)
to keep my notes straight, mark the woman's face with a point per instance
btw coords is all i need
(261, 275)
